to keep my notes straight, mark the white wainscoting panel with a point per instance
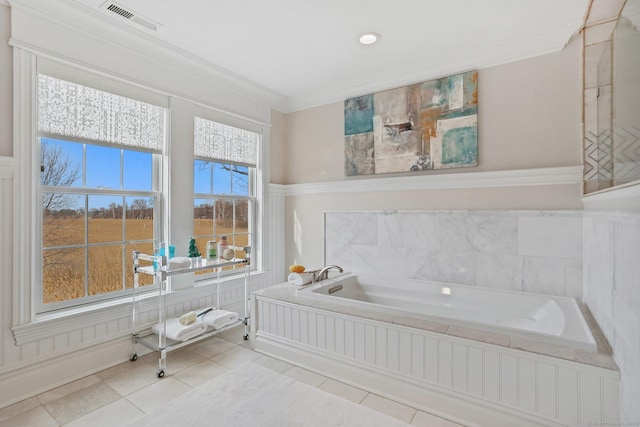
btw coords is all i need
(6, 260)
(538, 388)
(276, 237)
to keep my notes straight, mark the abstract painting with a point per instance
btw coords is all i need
(424, 126)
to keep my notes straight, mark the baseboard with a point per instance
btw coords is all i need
(447, 404)
(33, 379)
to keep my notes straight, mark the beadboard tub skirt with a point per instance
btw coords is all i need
(463, 380)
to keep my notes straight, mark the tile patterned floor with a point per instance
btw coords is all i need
(130, 393)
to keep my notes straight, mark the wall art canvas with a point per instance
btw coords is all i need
(424, 126)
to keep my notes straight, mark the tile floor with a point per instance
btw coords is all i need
(130, 394)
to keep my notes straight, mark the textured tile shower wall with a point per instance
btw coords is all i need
(533, 251)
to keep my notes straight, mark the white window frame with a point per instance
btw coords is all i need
(27, 327)
(155, 193)
(160, 137)
(261, 173)
(252, 201)
(27, 204)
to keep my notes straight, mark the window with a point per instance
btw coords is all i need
(100, 160)
(224, 185)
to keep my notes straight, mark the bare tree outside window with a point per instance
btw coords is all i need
(57, 170)
(63, 225)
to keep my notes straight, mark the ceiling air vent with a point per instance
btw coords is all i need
(129, 15)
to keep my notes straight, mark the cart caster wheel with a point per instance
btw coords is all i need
(245, 336)
(160, 373)
(133, 357)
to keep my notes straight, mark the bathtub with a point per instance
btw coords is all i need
(476, 356)
(551, 319)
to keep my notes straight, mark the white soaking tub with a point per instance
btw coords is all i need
(536, 317)
(476, 356)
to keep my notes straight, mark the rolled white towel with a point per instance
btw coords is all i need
(188, 318)
(179, 262)
(300, 279)
(178, 332)
(218, 319)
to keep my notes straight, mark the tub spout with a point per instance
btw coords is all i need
(324, 273)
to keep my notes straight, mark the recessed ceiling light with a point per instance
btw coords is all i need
(369, 38)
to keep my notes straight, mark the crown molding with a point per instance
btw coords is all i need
(499, 53)
(93, 24)
(566, 175)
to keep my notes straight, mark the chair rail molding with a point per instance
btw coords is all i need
(564, 175)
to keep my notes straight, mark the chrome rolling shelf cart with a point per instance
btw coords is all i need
(161, 270)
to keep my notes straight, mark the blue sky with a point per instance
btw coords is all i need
(103, 167)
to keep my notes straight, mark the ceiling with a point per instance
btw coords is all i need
(306, 52)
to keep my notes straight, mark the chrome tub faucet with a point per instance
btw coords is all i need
(324, 273)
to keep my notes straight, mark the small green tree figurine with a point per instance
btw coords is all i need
(193, 249)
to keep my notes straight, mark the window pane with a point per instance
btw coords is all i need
(224, 216)
(240, 180)
(139, 222)
(64, 225)
(105, 219)
(143, 279)
(62, 274)
(201, 244)
(103, 167)
(222, 179)
(105, 269)
(242, 216)
(203, 176)
(203, 217)
(241, 240)
(61, 163)
(138, 168)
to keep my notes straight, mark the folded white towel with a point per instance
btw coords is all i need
(188, 318)
(218, 319)
(180, 262)
(178, 332)
(300, 279)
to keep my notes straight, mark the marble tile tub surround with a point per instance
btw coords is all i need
(612, 292)
(532, 251)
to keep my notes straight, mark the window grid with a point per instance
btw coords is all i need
(225, 159)
(100, 218)
(102, 253)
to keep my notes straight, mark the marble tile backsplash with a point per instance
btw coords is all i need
(533, 251)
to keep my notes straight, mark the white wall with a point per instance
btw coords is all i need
(530, 117)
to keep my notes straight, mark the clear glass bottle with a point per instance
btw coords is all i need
(222, 245)
(212, 250)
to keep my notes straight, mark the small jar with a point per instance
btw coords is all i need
(222, 245)
(211, 250)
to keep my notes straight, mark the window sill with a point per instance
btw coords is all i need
(111, 318)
